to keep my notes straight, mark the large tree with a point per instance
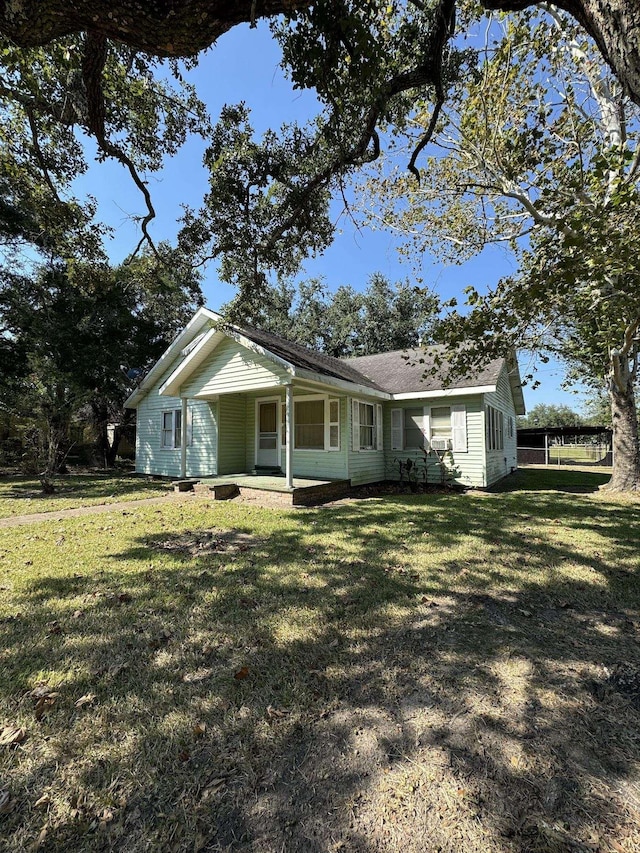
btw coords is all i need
(551, 167)
(74, 335)
(164, 28)
(343, 323)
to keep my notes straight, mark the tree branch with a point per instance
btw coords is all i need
(93, 63)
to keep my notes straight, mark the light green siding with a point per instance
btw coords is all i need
(232, 368)
(151, 458)
(232, 446)
(467, 468)
(318, 464)
(364, 466)
(502, 462)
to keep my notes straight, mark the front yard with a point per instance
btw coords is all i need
(23, 495)
(419, 673)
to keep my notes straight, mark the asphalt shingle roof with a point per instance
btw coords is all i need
(412, 371)
(397, 372)
(309, 359)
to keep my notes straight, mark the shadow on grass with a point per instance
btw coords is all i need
(20, 495)
(555, 479)
(400, 692)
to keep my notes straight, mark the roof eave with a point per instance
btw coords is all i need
(445, 392)
(199, 319)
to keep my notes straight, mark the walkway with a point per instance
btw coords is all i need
(60, 514)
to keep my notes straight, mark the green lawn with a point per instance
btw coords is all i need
(454, 672)
(23, 495)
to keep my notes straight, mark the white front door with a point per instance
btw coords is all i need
(267, 450)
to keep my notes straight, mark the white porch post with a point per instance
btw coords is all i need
(289, 435)
(183, 440)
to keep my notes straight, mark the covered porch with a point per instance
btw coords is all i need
(303, 491)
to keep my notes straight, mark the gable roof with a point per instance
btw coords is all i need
(308, 359)
(391, 375)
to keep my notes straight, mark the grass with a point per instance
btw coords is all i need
(23, 495)
(450, 672)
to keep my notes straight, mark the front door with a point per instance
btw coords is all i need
(267, 455)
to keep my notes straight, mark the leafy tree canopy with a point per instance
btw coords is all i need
(551, 168)
(550, 415)
(72, 334)
(382, 318)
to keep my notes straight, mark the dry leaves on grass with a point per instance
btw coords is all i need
(44, 699)
(12, 735)
(5, 801)
(87, 699)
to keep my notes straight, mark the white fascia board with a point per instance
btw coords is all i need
(445, 392)
(259, 350)
(343, 384)
(172, 384)
(199, 319)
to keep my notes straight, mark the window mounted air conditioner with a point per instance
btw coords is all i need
(440, 443)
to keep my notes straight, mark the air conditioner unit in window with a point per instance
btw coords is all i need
(440, 444)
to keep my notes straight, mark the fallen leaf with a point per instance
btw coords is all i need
(199, 675)
(213, 787)
(43, 704)
(274, 713)
(78, 614)
(87, 699)
(54, 628)
(41, 691)
(199, 729)
(37, 844)
(44, 800)
(11, 735)
(242, 673)
(5, 801)
(104, 818)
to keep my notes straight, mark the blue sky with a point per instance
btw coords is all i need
(244, 66)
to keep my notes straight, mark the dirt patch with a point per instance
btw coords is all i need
(203, 543)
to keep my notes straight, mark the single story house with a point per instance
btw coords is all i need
(228, 400)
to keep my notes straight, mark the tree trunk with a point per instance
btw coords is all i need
(614, 25)
(626, 452)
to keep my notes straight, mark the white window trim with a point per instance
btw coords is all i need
(302, 398)
(494, 429)
(378, 434)
(189, 428)
(459, 436)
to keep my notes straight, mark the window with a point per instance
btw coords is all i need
(334, 424)
(413, 437)
(441, 422)
(366, 425)
(494, 429)
(316, 424)
(171, 437)
(308, 425)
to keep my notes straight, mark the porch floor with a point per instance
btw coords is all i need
(305, 491)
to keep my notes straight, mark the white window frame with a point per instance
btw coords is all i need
(376, 426)
(176, 414)
(458, 415)
(328, 423)
(494, 429)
